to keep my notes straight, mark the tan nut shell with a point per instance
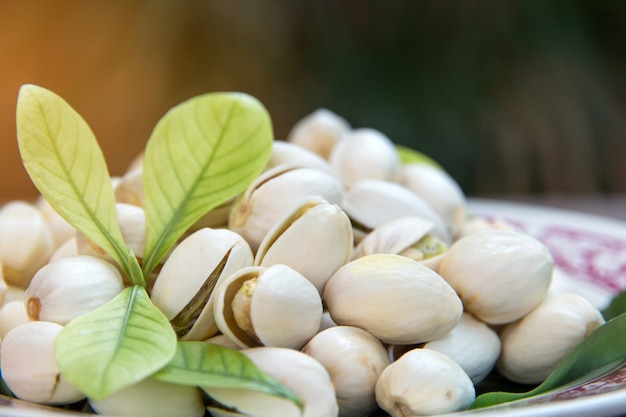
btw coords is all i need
(274, 193)
(314, 238)
(354, 360)
(319, 132)
(191, 273)
(500, 275)
(397, 299)
(423, 382)
(533, 346)
(285, 309)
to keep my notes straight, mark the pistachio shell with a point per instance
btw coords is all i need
(364, 154)
(319, 132)
(274, 193)
(283, 310)
(26, 242)
(395, 298)
(29, 368)
(533, 346)
(372, 203)
(500, 275)
(354, 360)
(12, 314)
(183, 289)
(314, 238)
(152, 398)
(423, 382)
(286, 153)
(440, 191)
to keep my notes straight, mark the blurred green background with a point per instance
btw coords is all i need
(509, 96)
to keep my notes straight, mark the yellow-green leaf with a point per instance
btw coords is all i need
(64, 161)
(116, 345)
(202, 153)
(411, 156)
(212, 366)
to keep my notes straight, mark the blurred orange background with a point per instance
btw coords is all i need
(510, 97)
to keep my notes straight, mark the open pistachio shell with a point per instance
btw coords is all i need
(274, 193)
(274, 306)
(184, 288)
(315, 239)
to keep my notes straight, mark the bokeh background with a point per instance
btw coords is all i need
(511, 97)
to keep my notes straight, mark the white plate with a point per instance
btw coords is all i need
(590, 253)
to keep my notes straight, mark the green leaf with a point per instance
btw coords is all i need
(64, 161)
(212, 366)
(116, 345)
(601, 348)
(616, 307)
(411, 156)
(202, 153)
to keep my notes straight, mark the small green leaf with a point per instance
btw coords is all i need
(212, 366)
(411, 156)
(601, 348)
(202, 153)
(64, 161)
(616, 307)
(116, 345)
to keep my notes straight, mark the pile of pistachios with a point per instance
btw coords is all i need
(349, 270)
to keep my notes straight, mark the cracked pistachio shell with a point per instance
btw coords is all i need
(365, 154)
(397, 299)
(274, 193)
(70, 287)
(26, 242)
(500, 275)
(185, 285)
(280, 307)
(372, 203)
(472, 344)
(299, 372)
(129, 188)
(354, 360)
(152, 398)
(314, 238)
(406, 236)
(423, 382)
(533, 346)
(319, 132)
(440, 191)
(286, 153)
(29, 368)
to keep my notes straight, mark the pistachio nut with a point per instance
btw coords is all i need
(423, 382)
(440, 191)
(152, 398)
(275, 192)
(405, 236)
(274, 306)
(69, 287)
(372, 203)
(65, 250)
(314, 238)
(365, 154)
(472, 344)
(299, 372)
(61, 230)
(26, 242)
(489, 269)
(533, 346)
(319, 132)
(129, 189)
(29, 368)
(354, 360)
(184, 288)
(397, 299)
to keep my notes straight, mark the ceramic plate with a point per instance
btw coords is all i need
(590, 253)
